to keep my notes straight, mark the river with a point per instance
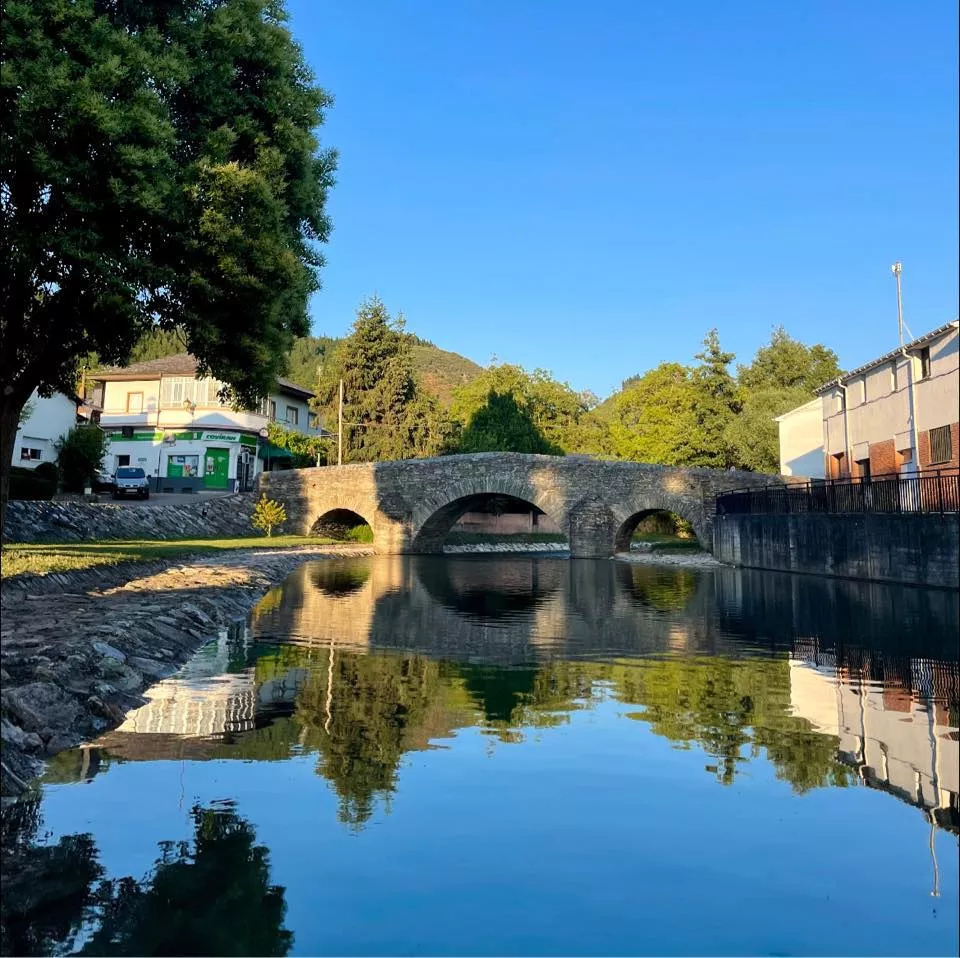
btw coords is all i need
(519, 755)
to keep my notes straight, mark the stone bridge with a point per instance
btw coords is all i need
(412, 504)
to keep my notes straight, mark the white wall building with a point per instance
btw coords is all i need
(801, 440)
(49, 421)
(159, 416)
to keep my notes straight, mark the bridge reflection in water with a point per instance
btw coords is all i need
(361, 661)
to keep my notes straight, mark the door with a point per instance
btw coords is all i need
(216, 474)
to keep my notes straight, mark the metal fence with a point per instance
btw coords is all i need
(932, 492)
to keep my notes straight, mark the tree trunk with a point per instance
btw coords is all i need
(10, 408)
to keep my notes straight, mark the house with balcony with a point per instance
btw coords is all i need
(159, 415)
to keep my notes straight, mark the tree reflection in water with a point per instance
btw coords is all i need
(211, 896)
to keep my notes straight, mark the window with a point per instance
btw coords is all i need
(893, 376)
(134, 402)
(293, 416)
(923, 357)
(273, 410)
(863, 468)
(29, 455)
(313, 420)
(176, 390)
(941, 445)
(839, 400)
(862, 390)
(123, 461)
(836, 465)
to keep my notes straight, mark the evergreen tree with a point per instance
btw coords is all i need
(502, 425)
(387, 415)
(716, 401)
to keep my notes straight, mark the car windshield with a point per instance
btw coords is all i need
(131, 474)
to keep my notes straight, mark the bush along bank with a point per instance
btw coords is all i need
(71, 669)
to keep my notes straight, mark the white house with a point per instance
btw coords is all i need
(801, 440)
(49, 421)
(159, 416)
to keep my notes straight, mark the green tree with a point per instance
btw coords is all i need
(158, 169)
(267, 513)
(653, 419)
(784, 374)
(561, 415)
(752, 436)
(388, 416)
(717, 399)
(502, 425)
(80, 454)
(786, 363)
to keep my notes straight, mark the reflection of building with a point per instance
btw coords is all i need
(898, 734)
(161, 417)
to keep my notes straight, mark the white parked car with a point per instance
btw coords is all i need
(131, 481)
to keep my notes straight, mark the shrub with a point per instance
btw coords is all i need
(48, 471)
(26, 484)
(268, 513)
(81, 452)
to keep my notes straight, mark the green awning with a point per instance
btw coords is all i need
(269, 451)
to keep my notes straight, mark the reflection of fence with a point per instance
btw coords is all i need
(931, 492)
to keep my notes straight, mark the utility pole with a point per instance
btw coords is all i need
(340, 427)
(896, 269)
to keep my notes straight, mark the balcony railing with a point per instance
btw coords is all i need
(927, 492)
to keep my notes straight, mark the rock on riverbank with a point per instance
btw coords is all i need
(74, 663)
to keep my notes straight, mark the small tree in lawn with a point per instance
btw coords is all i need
(266, 514)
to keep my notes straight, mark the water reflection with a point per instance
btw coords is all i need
(356, 666)
(208, 896)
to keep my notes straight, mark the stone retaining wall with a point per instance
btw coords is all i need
(30, 521)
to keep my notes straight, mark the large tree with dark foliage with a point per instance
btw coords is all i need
(159, 168)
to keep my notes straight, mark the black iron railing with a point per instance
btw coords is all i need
(935, 492)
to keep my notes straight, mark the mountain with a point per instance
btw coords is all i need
(441, 371)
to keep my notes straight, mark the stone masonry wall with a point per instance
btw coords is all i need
(29, 521)
(412, 504)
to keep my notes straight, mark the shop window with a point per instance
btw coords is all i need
(183, 467)
(29, 454)
(941, 445)
(293, 416)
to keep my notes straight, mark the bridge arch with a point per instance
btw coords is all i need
(438, 512)
(336, 521)
(632, 515)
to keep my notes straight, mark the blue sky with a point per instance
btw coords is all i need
(588, 188)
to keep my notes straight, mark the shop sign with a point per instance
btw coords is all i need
(221, 437)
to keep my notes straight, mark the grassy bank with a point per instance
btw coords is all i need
(44, 558)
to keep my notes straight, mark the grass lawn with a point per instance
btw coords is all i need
(44, 557)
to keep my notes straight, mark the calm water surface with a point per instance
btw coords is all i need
(519, 756)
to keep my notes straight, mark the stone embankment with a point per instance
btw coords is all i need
(486, 547)
(72, 521)
(689, 560)
(72, 666)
